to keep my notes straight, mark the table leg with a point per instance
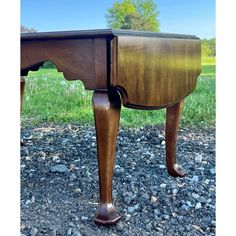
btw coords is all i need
(22, 87)
(172, 124)
(106, 106)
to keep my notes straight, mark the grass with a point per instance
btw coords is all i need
(50, 98)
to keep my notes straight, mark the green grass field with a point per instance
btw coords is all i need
(50, 98)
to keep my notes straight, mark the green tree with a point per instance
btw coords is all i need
(24, 29)
(134, 14)
(208, 47)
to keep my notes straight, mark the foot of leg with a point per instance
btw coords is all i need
(172, 124)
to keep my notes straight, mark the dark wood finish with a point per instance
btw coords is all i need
(172, 124)
(22, 88)
(78, 59)
(153, 72)
(149, 70)
(106, 106)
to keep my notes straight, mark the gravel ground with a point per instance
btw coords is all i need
(59, 182)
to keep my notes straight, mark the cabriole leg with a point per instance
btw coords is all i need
(106, 106)
(22, 87)
(172, 124)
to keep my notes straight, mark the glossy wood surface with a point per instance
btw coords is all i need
(106, 106)
(154, 72)
(78, 59)
(22, 88)
(173, 115)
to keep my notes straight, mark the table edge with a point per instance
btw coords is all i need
(100, 33)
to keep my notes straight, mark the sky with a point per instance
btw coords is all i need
(195, 17)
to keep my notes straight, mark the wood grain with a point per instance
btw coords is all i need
(78, 59)
(106, 106)
(173, 115)
(154, 72)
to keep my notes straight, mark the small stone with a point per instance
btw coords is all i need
(202, 199)
(163, 142)
(75, 232)
(145, 195)
(27, 202)
(128, 197)
(156, 212)
(198, 206)
(153, 199)
(189, 203)
(163, 185)
(73, 177)
(149, 226)
(34, 232)
(120, 226)
(27, 158)
(184, 207)
(198, 158)
(78, 190)
(162, 166)
(198, 228)
(69, 231)
(195, 196)
(174, 214)
(131, 209)
(55, 158)
(194, 179)
(174, 191)
(84, 218)
(33, 199)
(61, 168)
(213, 171)
(166, 217)
(127, 217)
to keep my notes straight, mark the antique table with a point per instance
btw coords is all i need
(141, 70)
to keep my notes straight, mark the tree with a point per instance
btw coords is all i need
(134, 14)
(208, 47)
(24, 29)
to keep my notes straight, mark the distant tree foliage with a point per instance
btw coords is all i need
(208, 47)
(24, 29)
(134, 14)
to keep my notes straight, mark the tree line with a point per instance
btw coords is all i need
(140, 15)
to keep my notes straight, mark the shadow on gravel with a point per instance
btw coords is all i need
(59, 182)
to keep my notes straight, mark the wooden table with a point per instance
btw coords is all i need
(141, 70)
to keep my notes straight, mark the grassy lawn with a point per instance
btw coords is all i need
(49, 97)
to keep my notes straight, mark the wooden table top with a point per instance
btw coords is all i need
(98, 33)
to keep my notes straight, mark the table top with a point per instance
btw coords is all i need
(98, 33)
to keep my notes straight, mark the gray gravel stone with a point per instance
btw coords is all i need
(63, 203)
(198, 158)
(195, 196)
(73, 177)
(194, 179)
(198, 206)
(202, 199)
(213, 171)
(34, 232)
(131, 209)
(60, 168)
(162, 185)
(185, 207)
